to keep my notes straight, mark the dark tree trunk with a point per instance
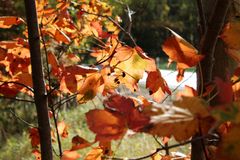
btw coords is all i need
(213, 15)
(40, 96)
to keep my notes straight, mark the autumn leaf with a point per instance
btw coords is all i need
(157, 85)
(34, 137)
(180, 120)
(182, 52)
(135, 120)
(62, 129)
(89, 87)
(106, 125)
(187, 92)
(79, 143)
(94, 154)
(230, 145)
(70, 155)
(127, 60)
(225, 92)
(9, 90)
(231, 33)
(9, 21)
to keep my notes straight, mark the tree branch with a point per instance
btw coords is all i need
(160, 149)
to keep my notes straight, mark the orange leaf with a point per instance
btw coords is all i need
(90, 87)
(52, 60)
(34, 136)
(187, 92)
(9, 21)
(62, 129)
(60, 36)
(95, 154)
(106, 125)
(231, 34)
(157, 85)
(70, 155)
(79, 143)
(230, 145)
(180, 51)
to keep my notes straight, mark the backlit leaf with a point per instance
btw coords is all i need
(157, 85)
(62, 129)
(230, 146)
(180, 120)
(106, 125)
(9, 21)
(79, 143)
(182, 52)
(95, 154)
(70, 155)
(231, 33)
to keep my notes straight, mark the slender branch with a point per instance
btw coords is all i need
(210, 38)
(201, 16)
(20, 84)
(58, 136)
(178, 87)
(115, 23)
(160, 149)
(22, 120)
(17, 99)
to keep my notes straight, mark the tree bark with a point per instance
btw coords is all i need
(40, 95)
(215, 63)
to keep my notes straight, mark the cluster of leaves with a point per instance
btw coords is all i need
(63, 35)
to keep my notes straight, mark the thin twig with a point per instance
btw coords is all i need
(17, 99)
(22, 120)
(160, 149)
(20, 84)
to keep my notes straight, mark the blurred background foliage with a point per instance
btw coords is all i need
(149, 19)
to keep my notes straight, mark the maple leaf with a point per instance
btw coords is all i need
(180, 120)
(135, 120)
(106, 125)
(79, 143)
(34, 136)
(182, 52)
(157, 85)
(230, 34)
(9, 21)
(70, 155)
(230, 145)
(95, 154)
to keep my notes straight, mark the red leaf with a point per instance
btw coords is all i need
(157, 85)
(225, 92)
